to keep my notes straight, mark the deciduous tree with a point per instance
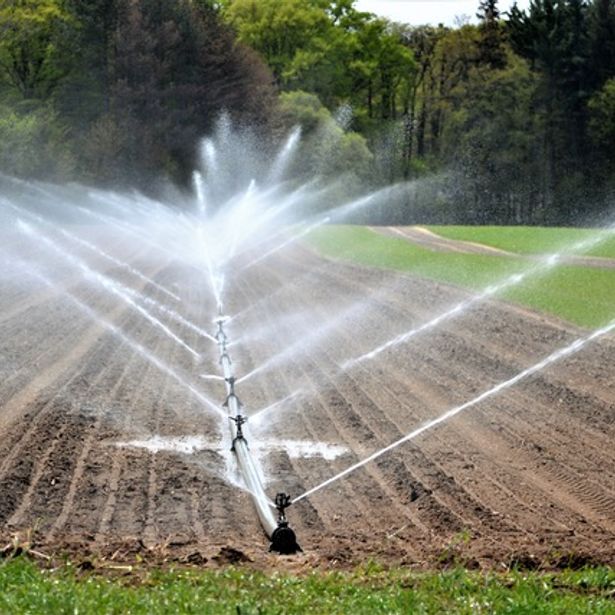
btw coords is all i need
(30, 33)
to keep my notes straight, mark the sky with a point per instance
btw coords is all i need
(418, 12)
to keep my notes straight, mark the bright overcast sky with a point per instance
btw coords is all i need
(418, 12)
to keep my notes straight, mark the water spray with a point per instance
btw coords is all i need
(127, 230)
(555, 356)
(115, 288)
(287, 242)
(122, 336)
(91, 247)
(284, 156)
(171, 314)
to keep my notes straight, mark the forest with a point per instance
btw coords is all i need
(509, 120)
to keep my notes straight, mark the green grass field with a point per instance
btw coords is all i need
(582, 295)
(24, 588)
(530, 239)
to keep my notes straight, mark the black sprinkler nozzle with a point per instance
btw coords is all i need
(283, 539)
(282, 502)
(239, 421)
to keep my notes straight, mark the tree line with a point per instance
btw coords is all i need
(509, 120)
(118, 92)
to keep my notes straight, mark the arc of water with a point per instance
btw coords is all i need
(356, 204)
(237, 222)
(129, 204)
(331, 215)
(322, 332)
(555, 356)
(208, 155)
(141, 350)
(108, 284)
(215, 278)
(287, 242)
(231, 225)
(119, 263)
(167, 219)
(277, 404)
(93, 248)
(128, 230)
(265, 230)
(284, 156)
(199, 187)
(170, 313)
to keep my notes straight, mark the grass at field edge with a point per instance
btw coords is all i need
(27, 588)
(581, 295)
(531, 239)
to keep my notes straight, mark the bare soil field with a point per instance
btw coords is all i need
(527, 477)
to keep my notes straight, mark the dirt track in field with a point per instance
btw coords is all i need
(527, 477)
(425, 238)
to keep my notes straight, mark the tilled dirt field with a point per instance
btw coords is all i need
(526, 478)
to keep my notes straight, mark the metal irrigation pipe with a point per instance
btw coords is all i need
(282, 537)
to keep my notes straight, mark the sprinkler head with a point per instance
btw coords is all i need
(282, 502)
(239, 421)
(283, 539)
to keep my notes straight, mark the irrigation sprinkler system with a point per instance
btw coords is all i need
(218, 238)
(281, 535)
